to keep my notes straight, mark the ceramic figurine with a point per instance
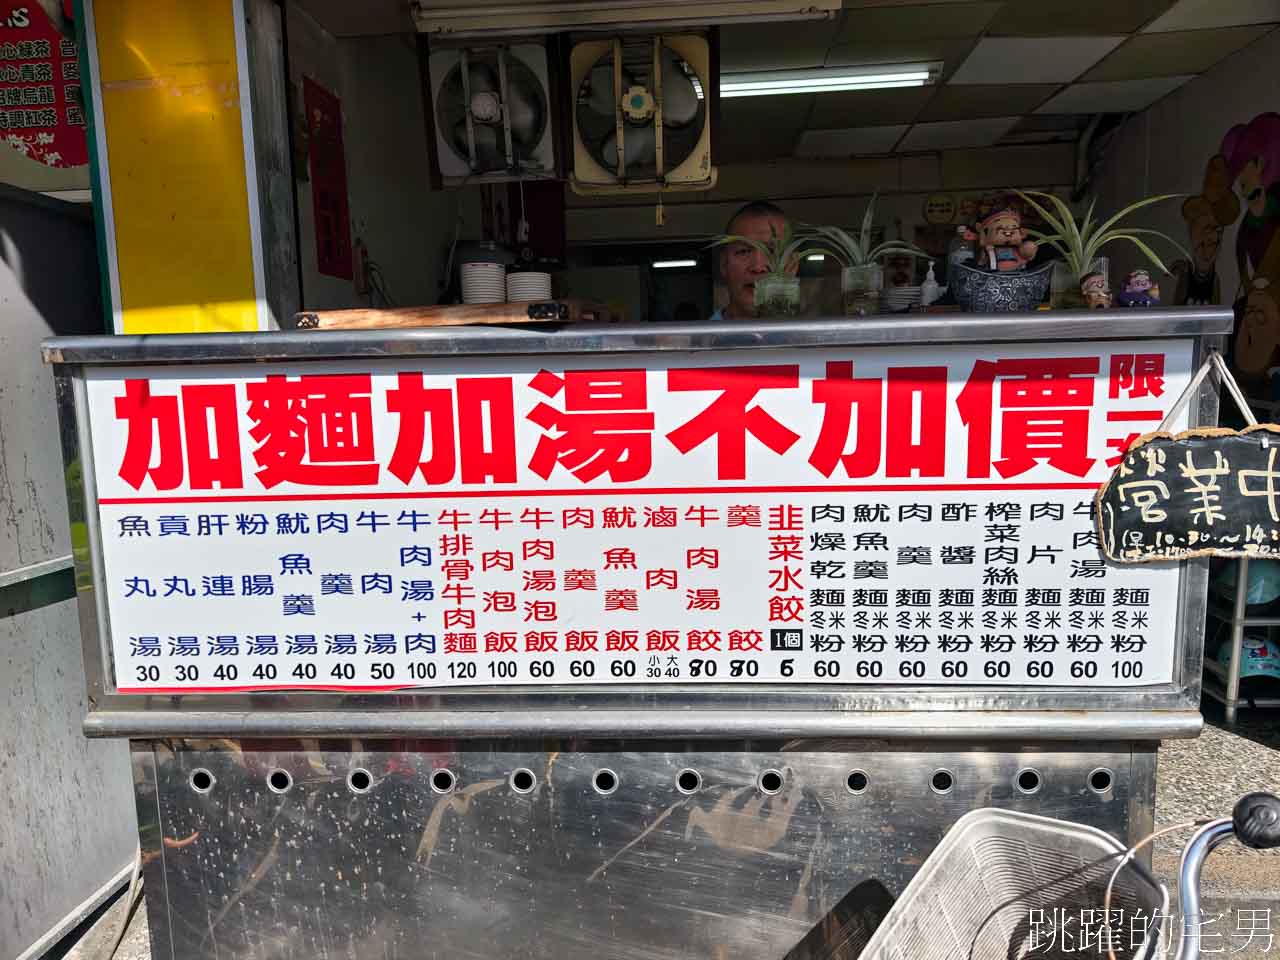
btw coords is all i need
(1096, 291)
(1139, 291)
(1003, 243)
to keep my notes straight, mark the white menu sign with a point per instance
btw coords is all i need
(899, 515)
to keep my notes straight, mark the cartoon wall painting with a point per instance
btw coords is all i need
(1206, 215)
(1252, 152)
(1257, 330)
(1242, 182)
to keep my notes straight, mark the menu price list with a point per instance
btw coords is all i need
(877, 587)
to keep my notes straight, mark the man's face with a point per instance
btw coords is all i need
(1140, 283)
(742, 265)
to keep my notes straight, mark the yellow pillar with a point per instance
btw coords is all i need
(175, 183)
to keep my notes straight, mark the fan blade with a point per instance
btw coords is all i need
(679, 98)
(488, 155)
(639, 147)
(484, 79)
(524, 108)
(602, 99)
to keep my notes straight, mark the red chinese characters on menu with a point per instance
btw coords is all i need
(319, 430)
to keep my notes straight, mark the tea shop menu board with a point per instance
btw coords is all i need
(41, 108)
(906, 515)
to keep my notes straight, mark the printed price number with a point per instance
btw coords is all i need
(509, 670)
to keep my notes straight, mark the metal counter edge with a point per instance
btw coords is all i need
(1025, 726)
(654, 337)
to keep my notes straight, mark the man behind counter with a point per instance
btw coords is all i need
(742, 264)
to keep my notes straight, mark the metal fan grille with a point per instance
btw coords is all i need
(494, 102)
(683, 119)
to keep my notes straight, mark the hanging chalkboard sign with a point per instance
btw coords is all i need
(1204, 493)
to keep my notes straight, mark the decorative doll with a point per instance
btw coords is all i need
(1096, 291)
(1003, 243)
(1139, 291)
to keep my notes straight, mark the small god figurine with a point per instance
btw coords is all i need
(1096, 291)
(1139, 291)
(1003, 243)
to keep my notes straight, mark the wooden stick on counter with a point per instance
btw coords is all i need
(551, 311)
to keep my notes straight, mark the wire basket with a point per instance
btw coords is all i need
(1004, 885)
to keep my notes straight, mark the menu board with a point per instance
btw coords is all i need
(41, 108)
(915, 515)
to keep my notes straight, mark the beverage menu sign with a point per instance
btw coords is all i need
(916, 515)
(41, 107)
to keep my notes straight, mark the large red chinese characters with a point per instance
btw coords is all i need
(634, 425)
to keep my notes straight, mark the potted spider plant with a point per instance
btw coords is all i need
(777, 293)
(861, 274)
(1080, 243)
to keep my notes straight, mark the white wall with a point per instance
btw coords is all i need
(1166, 148)
(314, 53)
(405, 225)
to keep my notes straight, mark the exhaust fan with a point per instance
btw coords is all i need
(642, 114)
(491, 108)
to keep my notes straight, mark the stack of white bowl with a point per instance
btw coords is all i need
(484, 283)
(529, 285)
(898, 299)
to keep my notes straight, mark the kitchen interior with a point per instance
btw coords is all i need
(445, 153)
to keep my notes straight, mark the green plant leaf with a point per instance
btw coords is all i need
(1144, 232)
(867, 219)
(841, 244)
(1056, 242)
(1137, 242)
(894, 246)
(1088, 220)
(1059, 225)
(1137, 206)
(1066, 238)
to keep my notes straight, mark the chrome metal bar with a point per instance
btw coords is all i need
(1204, 842)
(33, 570)
(1028, 726)
(652, 337)
(1237, 640)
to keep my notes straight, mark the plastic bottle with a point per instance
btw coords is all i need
(929, 291)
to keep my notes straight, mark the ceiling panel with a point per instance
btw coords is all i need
(1033, 59)
(895, 24)
(982, 100)
(1051, 122)
(865, 108)
(956, 134)
(1173, 54)
(1205, 14)
(1075, 17)
(1116, 96)
(858, 141)
(762, 128)
(367, 18)
(951, 51)
(775, 46)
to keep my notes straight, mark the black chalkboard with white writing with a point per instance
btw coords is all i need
(1210, 492)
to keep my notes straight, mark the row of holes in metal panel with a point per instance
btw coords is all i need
(604, 781)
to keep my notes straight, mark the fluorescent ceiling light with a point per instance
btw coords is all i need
(816, 257)
(828, 80)
(672, 264)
